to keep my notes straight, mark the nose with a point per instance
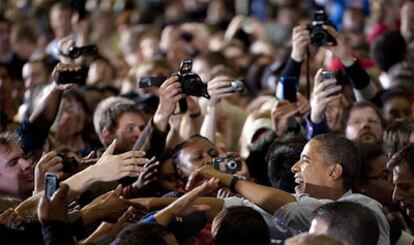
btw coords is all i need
(25, 164)
(296, 167)
(397, 195)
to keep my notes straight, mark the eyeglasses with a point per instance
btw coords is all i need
(360, 120)
(381, 177)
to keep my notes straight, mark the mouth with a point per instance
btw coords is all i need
(29, 177)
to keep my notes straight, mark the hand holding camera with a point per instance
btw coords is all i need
(49, 162)
(65, 75)
(325, 90)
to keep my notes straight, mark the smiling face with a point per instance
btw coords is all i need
(311, 171)
(364, 126)
(16, 175)
(404, 188)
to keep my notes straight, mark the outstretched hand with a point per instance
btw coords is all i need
(113, 167)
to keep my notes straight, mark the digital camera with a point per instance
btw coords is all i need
(319, 36)
(191, 83)
(226, 164)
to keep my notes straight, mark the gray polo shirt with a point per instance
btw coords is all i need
(295, 218)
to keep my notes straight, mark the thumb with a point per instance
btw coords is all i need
(110, 149)
(118, 190)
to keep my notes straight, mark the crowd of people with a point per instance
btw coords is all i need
(207, 122)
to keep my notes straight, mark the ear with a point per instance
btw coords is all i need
(107, 137)
(335, 172)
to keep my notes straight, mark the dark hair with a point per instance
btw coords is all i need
(240, 225)
(360, 105)
(148, 233)
(392, 93)
(349, 221)
(388, 49)
(404, 156)
(111, 116)
(280, 158)
(397, 135)
(336, 149)
(367, 153)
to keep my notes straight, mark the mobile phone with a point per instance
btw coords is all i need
(51, 184)
(287, 88)
(326, 75)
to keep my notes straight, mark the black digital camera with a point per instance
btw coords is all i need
(76, 52)
(76, 77)
(70, 164)
(191, 83)
(319, 36)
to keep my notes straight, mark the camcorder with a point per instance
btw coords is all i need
(319, 36)
(191, 83)
(226, 164)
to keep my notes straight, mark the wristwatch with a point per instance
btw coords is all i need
(233, 182)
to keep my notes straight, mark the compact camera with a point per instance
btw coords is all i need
(226, 164)
(319, 36)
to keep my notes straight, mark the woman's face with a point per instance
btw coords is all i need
(71, 117)
(168, 178)
(196, 153)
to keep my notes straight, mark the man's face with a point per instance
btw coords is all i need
(403, 193)
(364, 126)
(130, 126)
(16, 175)
(197, 153)
(34, 74)
(310, 171)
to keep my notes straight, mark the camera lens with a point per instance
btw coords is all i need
(319, 37)
(232, 165)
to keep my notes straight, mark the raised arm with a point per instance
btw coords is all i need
(270, 199)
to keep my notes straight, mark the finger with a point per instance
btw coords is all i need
(330, 91)
(151, 175)
(331, 31)
(318, 77)
(48, 156)
(110, 149)
(132, 169)
(60, 174)
(193, 179)
(169, 81)
(89, 156)
(55, 168)
(223, 90)
(219, 84)
(135, 162)
(147, 182)
(132, 154)
(61, 192)
(118, 190)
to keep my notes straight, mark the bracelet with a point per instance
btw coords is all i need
(234, 181)
(194, 114)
